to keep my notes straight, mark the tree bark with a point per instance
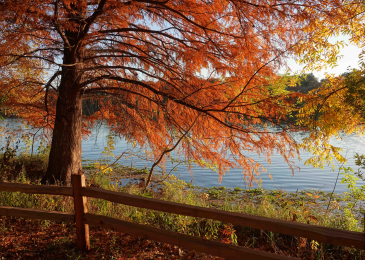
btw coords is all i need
(65, 154)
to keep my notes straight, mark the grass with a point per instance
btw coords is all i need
(304, 206)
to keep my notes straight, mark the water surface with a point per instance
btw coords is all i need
(305, 178)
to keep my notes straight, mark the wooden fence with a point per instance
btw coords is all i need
(80, 192)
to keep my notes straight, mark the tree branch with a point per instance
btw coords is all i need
(168, 151)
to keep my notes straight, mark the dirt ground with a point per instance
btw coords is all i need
(35, 239)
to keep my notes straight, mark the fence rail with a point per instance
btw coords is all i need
(315, 232)
(36, 189)
(82, 219)
(37, 214)
(194, 243)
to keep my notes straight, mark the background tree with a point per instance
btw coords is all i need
(197, 73)
(306, 83)
(338, 106)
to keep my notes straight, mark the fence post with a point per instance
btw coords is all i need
(82, 229)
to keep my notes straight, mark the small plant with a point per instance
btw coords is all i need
(229, 234)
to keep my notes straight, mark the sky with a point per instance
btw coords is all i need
(350, 58)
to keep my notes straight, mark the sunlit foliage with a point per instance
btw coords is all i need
(199, 73)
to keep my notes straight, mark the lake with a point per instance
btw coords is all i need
(305, 178)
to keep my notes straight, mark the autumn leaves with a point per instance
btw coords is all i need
(201, 73)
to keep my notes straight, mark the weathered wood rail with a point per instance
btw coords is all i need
(82, 219)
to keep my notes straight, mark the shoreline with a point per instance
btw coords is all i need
(302, 206)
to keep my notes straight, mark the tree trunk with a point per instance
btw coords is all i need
(65, 154)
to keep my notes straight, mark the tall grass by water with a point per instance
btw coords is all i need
(302, 206)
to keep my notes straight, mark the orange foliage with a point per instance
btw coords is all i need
(162, 68)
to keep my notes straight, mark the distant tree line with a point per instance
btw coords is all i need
(307, 82)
